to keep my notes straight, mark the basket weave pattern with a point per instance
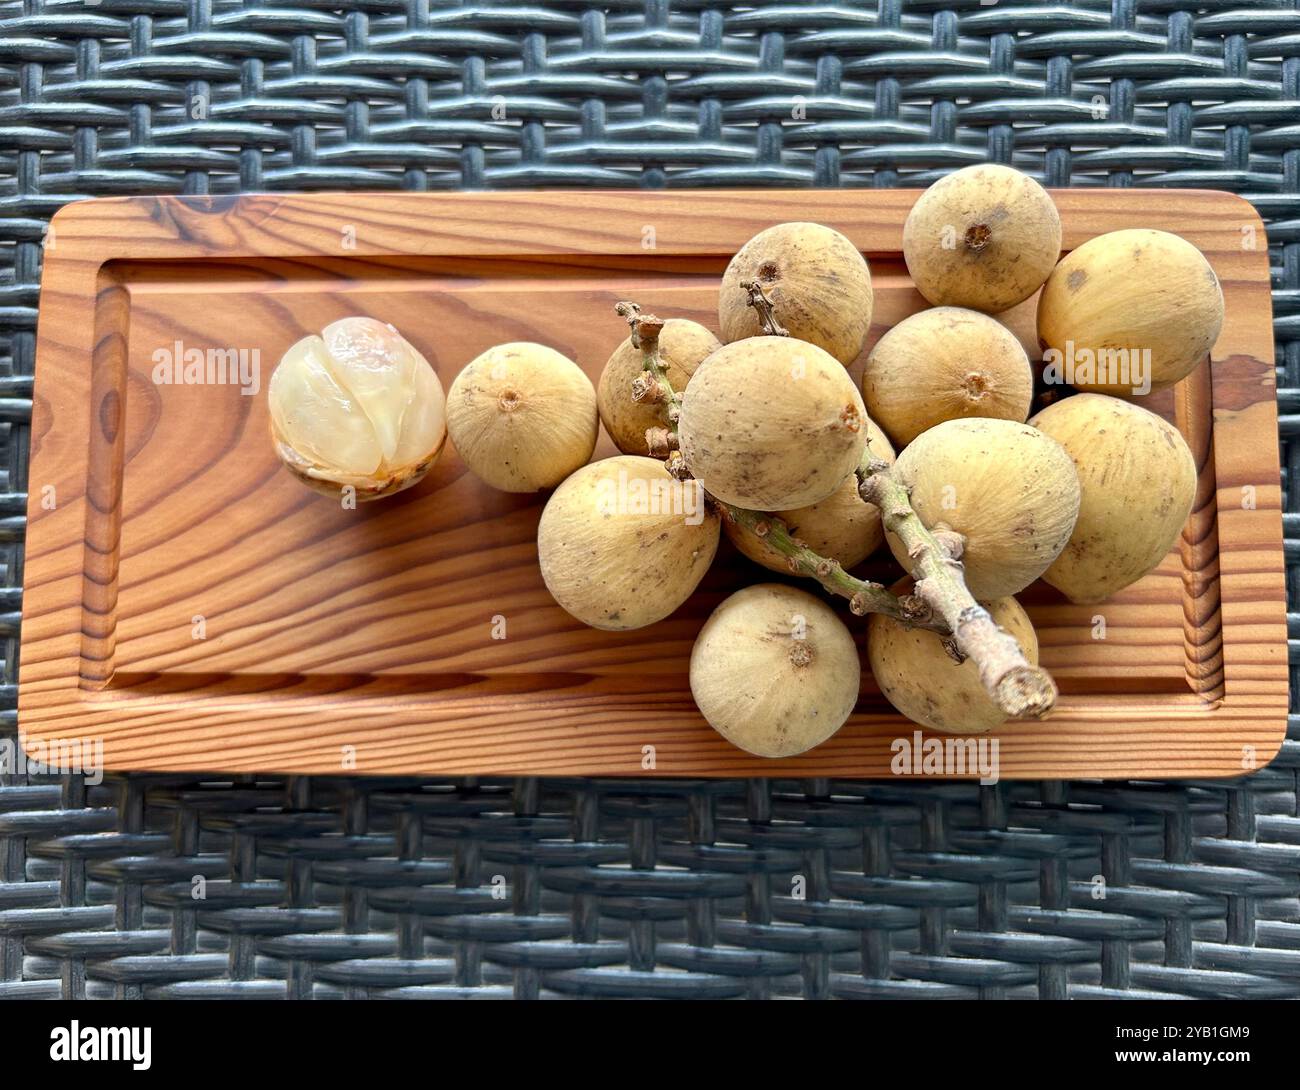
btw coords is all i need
(326, 887)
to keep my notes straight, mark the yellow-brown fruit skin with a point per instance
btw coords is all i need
(616, 567)
(1010, 490)
(841, 527)
(818, 282)
(771, 423)
(522, 416)
(1132, 290)
(984, 237)
(1137, 477)
(925, 684)
(775, 671)
(683, 346)
(943, 364)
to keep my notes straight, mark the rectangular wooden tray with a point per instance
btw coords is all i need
(339, 641)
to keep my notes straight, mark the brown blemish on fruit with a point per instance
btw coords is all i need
(800, 654)
(1076, 279)
(978, 236)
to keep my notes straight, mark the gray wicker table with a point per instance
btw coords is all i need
(327, 887)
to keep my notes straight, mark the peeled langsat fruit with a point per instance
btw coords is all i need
(357, 407)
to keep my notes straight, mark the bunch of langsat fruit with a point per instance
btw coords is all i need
(765, 436)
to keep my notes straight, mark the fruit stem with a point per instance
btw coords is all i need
(654, 385)
(766, 311)
(1020, 689)
(864, 596)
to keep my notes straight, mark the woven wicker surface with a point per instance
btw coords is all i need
(648, 888)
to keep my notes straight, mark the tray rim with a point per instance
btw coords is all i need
(189, 228)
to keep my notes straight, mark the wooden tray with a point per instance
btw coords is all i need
(339, 641)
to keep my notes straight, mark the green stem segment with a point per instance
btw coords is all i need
(1020, 689)
(864, 597)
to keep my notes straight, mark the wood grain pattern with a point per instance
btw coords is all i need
(372, 629)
